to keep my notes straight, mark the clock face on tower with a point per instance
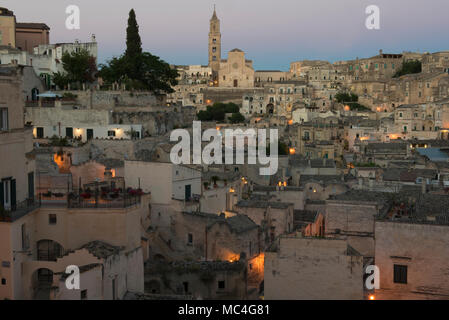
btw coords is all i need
(235, 65)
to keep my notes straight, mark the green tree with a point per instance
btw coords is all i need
(79, 67)
(342, 97)
(133, 41)
(133, 53)
(409, 67)
(237, 118)
(60, 79)
(204, 115)
(232, 108)
(139, 70)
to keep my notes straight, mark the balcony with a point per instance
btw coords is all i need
(19, 210)
(104, 199)
(40, 103)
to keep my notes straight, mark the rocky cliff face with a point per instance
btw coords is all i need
(155, 123)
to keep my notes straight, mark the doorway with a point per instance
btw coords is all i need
(90, 134)
(188, 192)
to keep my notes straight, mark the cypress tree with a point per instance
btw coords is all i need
(133, 41)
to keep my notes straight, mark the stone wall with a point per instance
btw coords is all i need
(424, 249)
(312, 269)
(355, 220)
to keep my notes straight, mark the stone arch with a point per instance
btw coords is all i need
(49, 250)
(42, 282)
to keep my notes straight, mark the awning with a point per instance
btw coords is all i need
(49, 94)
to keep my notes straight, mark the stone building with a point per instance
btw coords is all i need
(435, 62)
(236, 71)
(17, 170)
(31, 35)
(206, 280)
(197, 235)
(39, 239)
(61, 119)
(412, 251)
(214, 46)
(298, 268)
(261, 77)
(275, 218)
(23, 36)
(8, 28)
(352, 214)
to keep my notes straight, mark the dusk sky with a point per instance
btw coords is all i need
(272, 33)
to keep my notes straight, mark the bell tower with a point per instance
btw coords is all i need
(214, 45)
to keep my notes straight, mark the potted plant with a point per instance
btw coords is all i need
(86, 195)
(206, 185)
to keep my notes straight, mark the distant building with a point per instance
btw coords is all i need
(23, 36)
(236, 71)
(31, 35)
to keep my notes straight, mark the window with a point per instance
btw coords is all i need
(3, 119)
(52, 219)
(83, 294)
(221, 285)
(39, 132)
(111, 133)
(190, 238)
(8, 194)
(3, 281)
(186, 287)
(69, 132)
(400, 274)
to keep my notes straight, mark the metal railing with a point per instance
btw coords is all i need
(19, 210)
(75, 201)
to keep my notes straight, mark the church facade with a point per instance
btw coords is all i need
(234, 72)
